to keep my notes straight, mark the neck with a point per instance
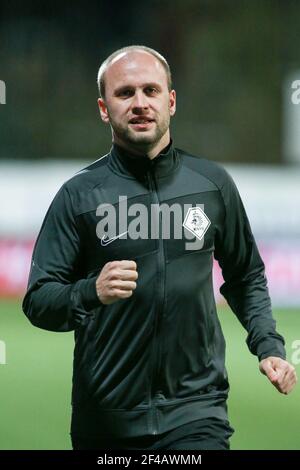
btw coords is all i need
(145, 151)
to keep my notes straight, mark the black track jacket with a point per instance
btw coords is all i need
(154, 361)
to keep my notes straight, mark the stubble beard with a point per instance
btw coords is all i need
(141, 140)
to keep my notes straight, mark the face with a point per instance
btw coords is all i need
(137, 102)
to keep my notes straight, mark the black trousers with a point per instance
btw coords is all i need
(204, 434)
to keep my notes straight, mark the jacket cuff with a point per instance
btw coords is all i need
(270, 347)
(88, 293)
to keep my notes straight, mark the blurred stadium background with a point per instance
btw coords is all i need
(234, 64)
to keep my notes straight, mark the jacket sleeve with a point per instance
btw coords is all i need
(57, 298)
(245, 287)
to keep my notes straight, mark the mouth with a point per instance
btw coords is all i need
(141, 122)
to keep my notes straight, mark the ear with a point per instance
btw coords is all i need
(103, 110)
(172, 102)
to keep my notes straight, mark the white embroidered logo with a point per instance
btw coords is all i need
(105, 241)
(196, 221)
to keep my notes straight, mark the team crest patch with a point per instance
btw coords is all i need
(196, 221)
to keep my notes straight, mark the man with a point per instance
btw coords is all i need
(124, 258)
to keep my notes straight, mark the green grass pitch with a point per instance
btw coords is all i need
(35, 386)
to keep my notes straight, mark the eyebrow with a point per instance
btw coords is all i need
(145, 85)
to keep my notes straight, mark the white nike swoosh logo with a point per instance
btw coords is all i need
(106, 241)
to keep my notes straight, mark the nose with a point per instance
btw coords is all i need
(140, 102)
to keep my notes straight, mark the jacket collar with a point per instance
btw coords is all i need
(123, 162)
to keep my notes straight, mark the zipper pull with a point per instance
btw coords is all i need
(148, 177)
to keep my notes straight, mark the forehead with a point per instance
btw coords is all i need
(134, 68)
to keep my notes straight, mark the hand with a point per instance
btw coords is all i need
(116, 281)
(280, 373)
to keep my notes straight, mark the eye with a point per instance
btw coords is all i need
(151, 90)
(125, 93)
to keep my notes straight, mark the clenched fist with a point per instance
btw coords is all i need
(116, 281)
(280, 373)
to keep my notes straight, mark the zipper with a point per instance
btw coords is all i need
(160, 294)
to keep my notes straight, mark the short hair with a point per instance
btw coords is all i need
(106, 62)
